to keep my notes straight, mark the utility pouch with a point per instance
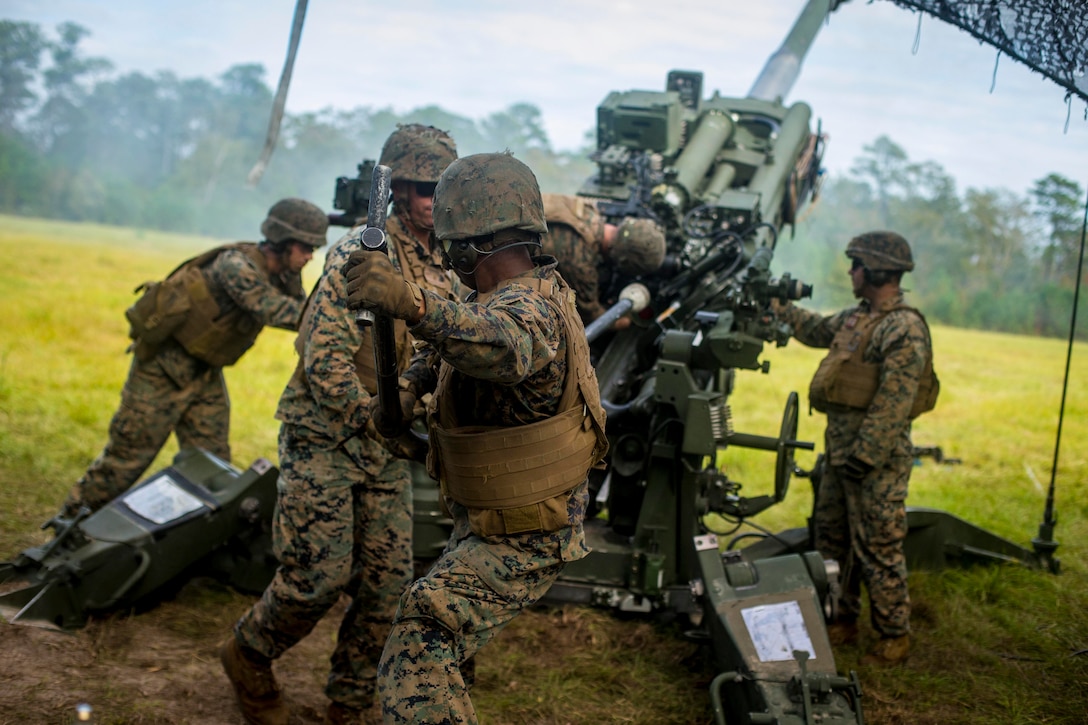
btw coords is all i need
(929, 387)
(158, 312)
(844, 382)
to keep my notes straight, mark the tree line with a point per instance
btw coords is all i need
(151, 149)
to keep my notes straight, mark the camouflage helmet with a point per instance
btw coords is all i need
(881, 251)
(639, 247)
(295, 220)
(415, 152)
(486, 193)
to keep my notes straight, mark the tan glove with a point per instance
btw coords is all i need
(375, 284)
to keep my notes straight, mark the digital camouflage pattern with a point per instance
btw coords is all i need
(508, 351)
(236, 283)
(507, 348)
(172, 391)
(578, 237)
(639, 247)
(344, 510)
(863, 524)
(414, 152)
(880, 251)
(337, 530)
(343, 520)
(295, 219)
(578, 251)
(512, 202)
(475, 588)
(324, 402)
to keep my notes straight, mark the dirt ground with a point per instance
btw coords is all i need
(161, 666)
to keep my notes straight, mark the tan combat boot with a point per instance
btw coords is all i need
(888, 651)
(254, 684)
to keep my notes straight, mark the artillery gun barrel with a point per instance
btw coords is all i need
(782, 69)
(633, 298)
(714, 131)
(771, 181)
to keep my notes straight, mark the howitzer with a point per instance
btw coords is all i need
(724, 177)
(352, 196)
(201, 515)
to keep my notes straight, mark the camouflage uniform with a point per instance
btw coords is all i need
(174, 391)
(578, 250)
(863, 523)
(343, 522)
(509, 372)
(577, 237)
(509, 354)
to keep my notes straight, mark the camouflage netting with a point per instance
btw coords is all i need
(1049, 36)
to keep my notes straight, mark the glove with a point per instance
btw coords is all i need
(856, 469)
(407, 413)
(374, 284)
(401, 443)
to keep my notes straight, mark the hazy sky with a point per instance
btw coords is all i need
(475, 57)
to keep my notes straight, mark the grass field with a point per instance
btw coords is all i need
(994, 645)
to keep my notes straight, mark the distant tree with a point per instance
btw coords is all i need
(519, 128)
(24, 177)
(245, 102)
(997, 230)
(131, 130)
(1059, 206)
(60, 120)
(21, 46)
(884, 168)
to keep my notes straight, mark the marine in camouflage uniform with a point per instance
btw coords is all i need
(860, 512)
(343, 521)
(177, 385)
(591, 250)
(515, 425)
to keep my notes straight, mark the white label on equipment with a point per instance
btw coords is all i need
(777, 630)
(162, 500)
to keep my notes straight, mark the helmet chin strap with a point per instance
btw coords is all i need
(481, 255)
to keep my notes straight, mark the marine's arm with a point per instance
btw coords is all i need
(254, 292)
(505, 341)
(811, 328)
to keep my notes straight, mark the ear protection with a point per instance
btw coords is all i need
(464, 255)
(877, 278)
(461, 255)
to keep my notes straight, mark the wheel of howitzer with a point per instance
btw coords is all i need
(787, 442)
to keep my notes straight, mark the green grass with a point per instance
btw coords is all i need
(992, 645)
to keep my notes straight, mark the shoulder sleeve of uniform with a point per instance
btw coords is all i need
(251, 289)
(505, 339)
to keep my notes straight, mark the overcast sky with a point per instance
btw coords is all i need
(475, 57)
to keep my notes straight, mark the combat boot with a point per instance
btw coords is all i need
(888, 651)
(254, 684)
(843, 632)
